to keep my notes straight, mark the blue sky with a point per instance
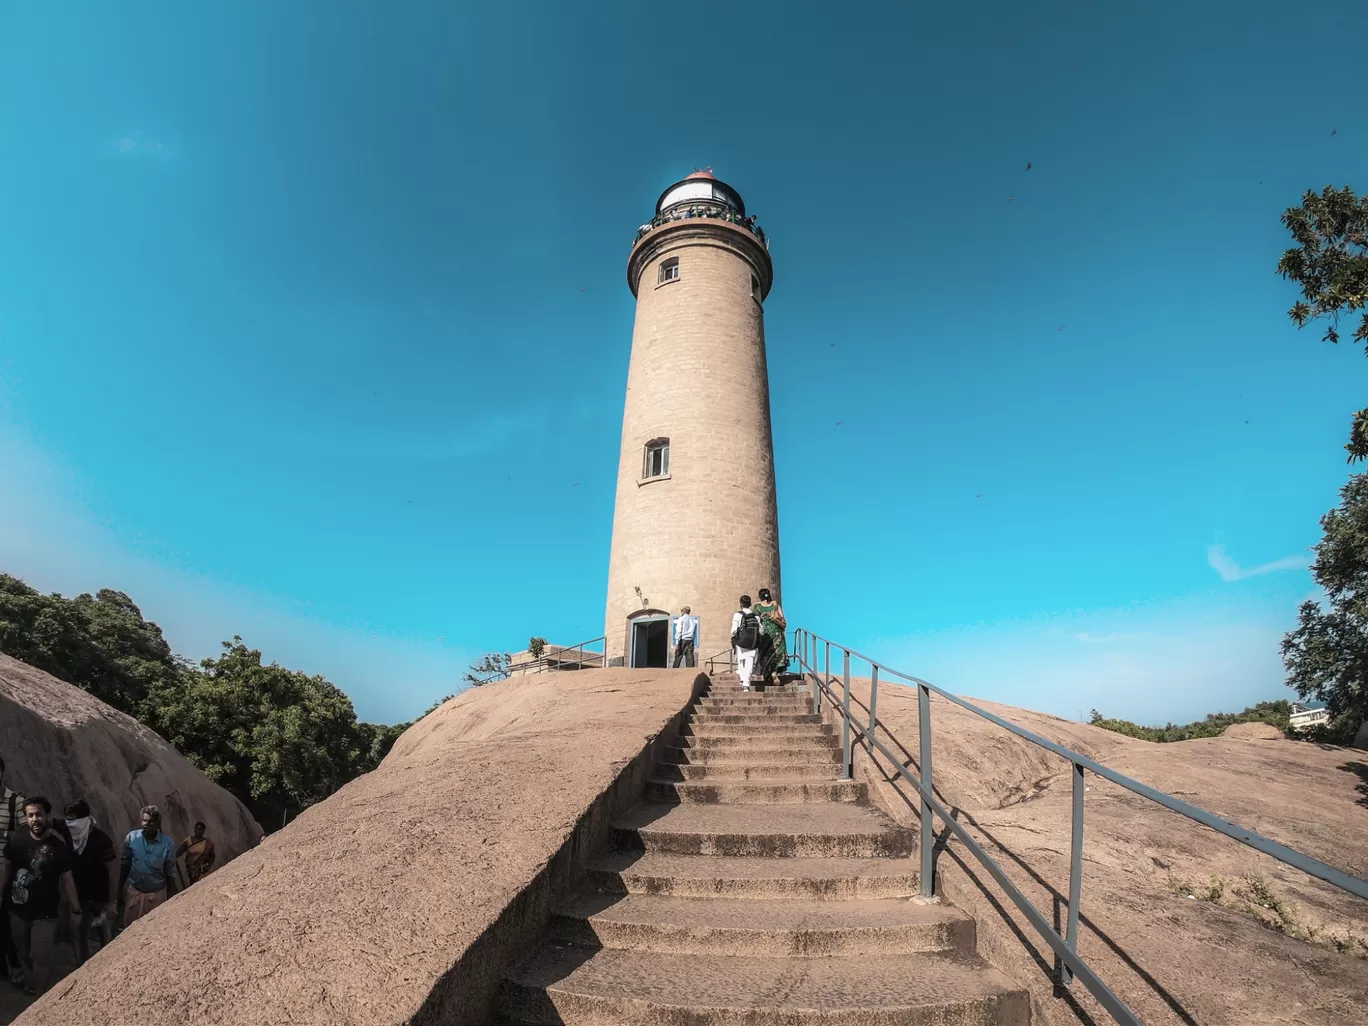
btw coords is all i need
(314, 327)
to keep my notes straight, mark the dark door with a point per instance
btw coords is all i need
(651, 642)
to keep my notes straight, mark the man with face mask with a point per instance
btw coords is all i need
(95, 871)
(38, 870)
(147, 873)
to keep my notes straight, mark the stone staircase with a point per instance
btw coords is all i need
(754, 887)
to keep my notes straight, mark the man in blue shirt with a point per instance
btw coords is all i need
(685, 637)
(147, 875)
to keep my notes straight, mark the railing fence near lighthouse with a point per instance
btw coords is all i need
(810, 648)
(579, 656)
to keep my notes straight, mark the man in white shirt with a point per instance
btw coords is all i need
(685, 638)
(745, 634)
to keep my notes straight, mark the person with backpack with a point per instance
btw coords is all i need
(745, 635)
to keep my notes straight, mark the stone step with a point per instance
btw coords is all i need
(777, 929)
(768, 718)
(572, 986)
(825, 830)
(747, 704)
(808, 754)
(757, 684)
(695, 876)
(757, 743)
(755, 729)
(770, 694)
(749, 769)
(756, 792)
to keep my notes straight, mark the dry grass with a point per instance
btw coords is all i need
(1255, 895)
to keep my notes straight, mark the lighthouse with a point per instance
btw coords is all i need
(695, 521)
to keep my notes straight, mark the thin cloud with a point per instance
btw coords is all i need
(1104, 639)
(139, 144)
(49, 539)
(1232, 571)
(1169, 664)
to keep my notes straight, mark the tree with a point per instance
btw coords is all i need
(494, 666)
(1330, 263)
(435, 706)
(101, 644)
(377, 740)
(279, 739)
(535, 647)
(1327, 655)
(1276, 714)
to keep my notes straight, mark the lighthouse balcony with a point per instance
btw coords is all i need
(704, 211)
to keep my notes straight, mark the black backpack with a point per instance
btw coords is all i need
(748, 631)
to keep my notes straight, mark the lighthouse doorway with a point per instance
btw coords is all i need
(650, 640)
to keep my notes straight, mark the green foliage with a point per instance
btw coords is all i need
(493, 667)
(101, 644)
(1327, 655)
(435, 706)
(278, 739)
(1275, 714)
(284, 738)
(535, 647)
(1330, 263)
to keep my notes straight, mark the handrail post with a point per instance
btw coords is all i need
(845, 720)
(873, 708)
(805, 664)
(812, 675)
(1075, 870)
(928, 883)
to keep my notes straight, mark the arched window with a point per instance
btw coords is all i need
(669, 270)
(656, 459)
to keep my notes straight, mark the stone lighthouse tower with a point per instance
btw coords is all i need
(696, 522)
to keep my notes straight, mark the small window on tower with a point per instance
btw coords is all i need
(657, 459)
(755, 288)
(669, 270)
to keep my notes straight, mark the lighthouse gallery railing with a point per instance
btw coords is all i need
(806, 648)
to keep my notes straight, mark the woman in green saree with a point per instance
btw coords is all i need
(774, 625)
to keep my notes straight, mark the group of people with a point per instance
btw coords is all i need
(65, 881)
(757, 637)
(724, 213)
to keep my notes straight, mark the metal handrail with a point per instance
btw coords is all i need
(551, 661)
(728, 653)
(806, 644)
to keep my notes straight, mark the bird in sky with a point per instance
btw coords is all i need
(581, 290)
(1060, 328)
(1011, 197)
(838, 423)
(1028, 165)
(1334, 131)
(575, 485)
(979, 496)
